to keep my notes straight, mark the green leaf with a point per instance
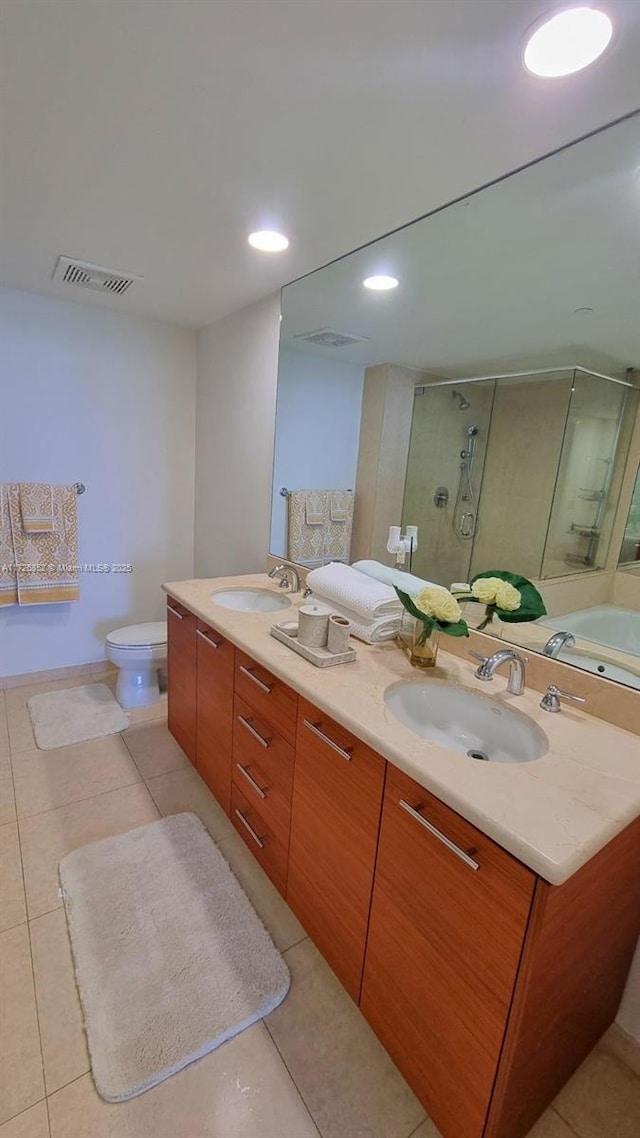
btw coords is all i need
(531, 605)
(457, 628)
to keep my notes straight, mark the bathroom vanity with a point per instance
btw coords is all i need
(482, 915)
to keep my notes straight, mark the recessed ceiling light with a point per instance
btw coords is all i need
(567, 42)
(380, 283)
(268, 241)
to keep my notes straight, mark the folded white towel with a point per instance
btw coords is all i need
(356, 591)
(407, 582)
(371, 631)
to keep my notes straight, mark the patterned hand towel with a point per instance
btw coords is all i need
(322, 540)
(36, 507)
(341, 509)
(316, 506)
(8, 580)
(47, 563)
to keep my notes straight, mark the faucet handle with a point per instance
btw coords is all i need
(478, 656)
(551, 698)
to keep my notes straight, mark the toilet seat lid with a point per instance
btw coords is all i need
(139, 635)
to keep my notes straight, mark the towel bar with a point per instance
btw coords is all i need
(284, 493)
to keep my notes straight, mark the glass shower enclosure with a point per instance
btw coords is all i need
(518, 472)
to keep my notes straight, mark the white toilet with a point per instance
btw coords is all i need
(139, 651)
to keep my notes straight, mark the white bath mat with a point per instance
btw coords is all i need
(60, 718)
(171, 958)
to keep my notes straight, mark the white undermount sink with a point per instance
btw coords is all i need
(250, 600)
(465, 721)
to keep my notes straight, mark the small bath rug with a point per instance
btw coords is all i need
(171, 958)
(71, 715)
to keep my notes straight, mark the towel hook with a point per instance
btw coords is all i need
(79, 487)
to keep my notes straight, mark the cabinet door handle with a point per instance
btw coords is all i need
(342, 751)
(253, 731)
(246, 672)
(175, 612)
(440, 836)
(203, 636)
(251, 780)
(258, 840)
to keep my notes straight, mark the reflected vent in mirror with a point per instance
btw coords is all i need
(329, 338)
(95, 277)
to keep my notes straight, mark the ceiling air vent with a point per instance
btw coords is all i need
(329, 338)
(95, 277)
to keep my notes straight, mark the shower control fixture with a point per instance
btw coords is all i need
(465, 513)
(441, 497)
(463, 404)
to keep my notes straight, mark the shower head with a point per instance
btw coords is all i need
(463, 404)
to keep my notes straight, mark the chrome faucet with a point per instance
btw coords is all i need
(489, 665)
(286, 576)
(557, 642)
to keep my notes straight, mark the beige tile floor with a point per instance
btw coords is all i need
(313, 1069)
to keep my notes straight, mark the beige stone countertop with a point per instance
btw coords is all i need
(553, 813)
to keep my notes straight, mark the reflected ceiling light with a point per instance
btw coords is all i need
(268, 241)
(567, 42)
(380, 283)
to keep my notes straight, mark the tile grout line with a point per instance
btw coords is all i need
(286, 1067)
(562, 1118)
(21, 1112)
(419, 1126)
(33, 971)
(77, 801)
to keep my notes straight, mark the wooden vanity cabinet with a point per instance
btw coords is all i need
(181, 670)
(335, 816)
(214, 711)
(448, 921)
(487, 985)
(264, 727)
(577, 955)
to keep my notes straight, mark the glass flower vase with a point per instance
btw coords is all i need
(419, 641)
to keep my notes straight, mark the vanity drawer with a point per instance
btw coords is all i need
(272, 699)
(215, 656)
(447, 926)
(263, 768)
(260, 839)
(335, 815)
(181, 661)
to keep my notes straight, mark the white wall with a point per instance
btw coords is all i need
(317, 431)
(91, 395)
(237, 378)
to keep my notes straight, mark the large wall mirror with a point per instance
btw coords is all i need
(491, 399)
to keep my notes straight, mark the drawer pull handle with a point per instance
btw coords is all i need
(251, 780)
(258, 840)
(440, 836)
(253, 731)
(342, 751)
(246, 672)
(203, 636)
(175, 612)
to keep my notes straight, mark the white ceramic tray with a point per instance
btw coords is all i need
(321, 657)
